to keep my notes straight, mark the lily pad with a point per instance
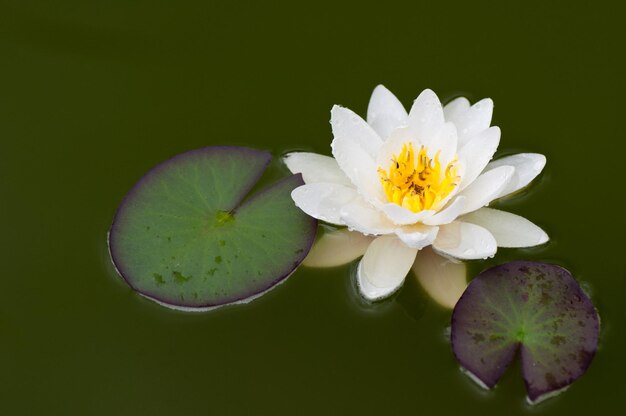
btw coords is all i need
(187, 237)
(537, 308)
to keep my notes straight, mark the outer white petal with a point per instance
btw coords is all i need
(337, 247)
(347, 125)
(316, 168)
(369, 291)
(448, 214)
(486, 188)
(444, 280)
(402, 216)
(354, 147)
(509, 230)
(363, 217)
(476, 153)
(465, 241)
(527, 167)
(384, 266)
(324, 200)
(426, 117)
(470, 120)
(417, 236)
(385, 112)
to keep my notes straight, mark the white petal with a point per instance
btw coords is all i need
(476, 153)
(384, 266)
(354, 147)
(337, 247)
(445, 143)
(527, 167)
(385, 112)
(444, 280)
(316, 168)
(509, 230)
(393, 146)
(361, 216)
(417, 236)
(448, 214)
(454, 110)
(371, 292)
(426, 117)
(472, 120)
(466, 241)
(347, 125)
(486, 188)
(402, 216)
(323, 200)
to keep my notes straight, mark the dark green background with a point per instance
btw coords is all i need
(93, 94)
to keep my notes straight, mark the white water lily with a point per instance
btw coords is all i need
(411, 189)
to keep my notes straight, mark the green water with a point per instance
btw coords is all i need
(93, 94)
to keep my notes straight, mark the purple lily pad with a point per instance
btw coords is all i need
(535, 307)
(187, 237)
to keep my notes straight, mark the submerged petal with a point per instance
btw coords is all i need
(316, 168)
(527, 167)
(385, 112)
(465, 241)
(443, 279)
(384, 266)
(508, 229)
(337, 247)
(323, 200)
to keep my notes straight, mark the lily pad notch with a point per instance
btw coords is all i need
(536, 308)
(189, 237)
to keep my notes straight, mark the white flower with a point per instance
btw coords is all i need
(403, 183)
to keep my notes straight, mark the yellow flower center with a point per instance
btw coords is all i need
(417, 182)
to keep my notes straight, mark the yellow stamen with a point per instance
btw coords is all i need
(417, 182)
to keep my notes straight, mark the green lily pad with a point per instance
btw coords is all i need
(185, 237)
(535, 307)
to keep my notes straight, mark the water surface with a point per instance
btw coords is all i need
(93, 95)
